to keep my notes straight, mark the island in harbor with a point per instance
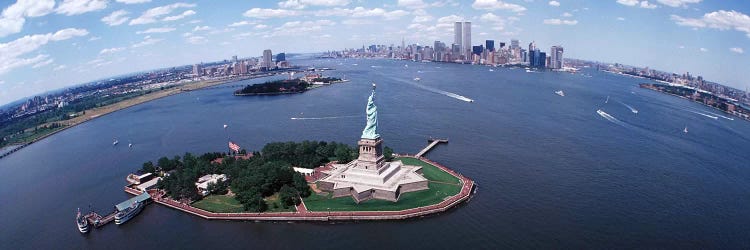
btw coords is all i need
(307, 181)
(288, 86)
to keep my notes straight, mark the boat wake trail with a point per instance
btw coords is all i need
(323, 118)
(635, 111)
(704, 114)
(610, 117)
(721, 116)
(438, 91)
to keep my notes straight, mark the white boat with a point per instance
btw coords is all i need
(685, 130)
(492, 70)
(130, 145)
(114, 143)
(606, 101)
(560, 93)
(82, 223)
(417, 79)
(130, 212)
(529, 71)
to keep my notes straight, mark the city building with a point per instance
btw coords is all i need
(489, 45)
(466, 41)
(556, 60)
(280, 57)
(202, 184)
(457, 36)
(197, 70)
(267, 60)
(370, 176)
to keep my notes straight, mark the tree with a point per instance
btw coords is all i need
(148, 167)
(388, 153)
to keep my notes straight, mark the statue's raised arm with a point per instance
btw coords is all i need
(370, 131)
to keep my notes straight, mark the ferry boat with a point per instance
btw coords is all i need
(128, 213)
(417, 79)
(82, 223)
(560, 93)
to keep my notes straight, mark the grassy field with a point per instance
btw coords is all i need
(228, 204)
(219, 204)
(438, 192)
(431, 172)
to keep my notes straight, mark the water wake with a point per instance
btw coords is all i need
(610, 117)
(635, 111)
(439, 91)
(323, 118)
(721, 116)
(704, 114)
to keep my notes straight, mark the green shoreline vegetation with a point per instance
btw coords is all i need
(288, 86)
(441, 186)
(264, 182)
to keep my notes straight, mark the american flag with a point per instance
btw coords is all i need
(233, 146)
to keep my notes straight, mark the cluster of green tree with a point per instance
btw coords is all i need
(326, 79)
(274, 87)
(308, 154)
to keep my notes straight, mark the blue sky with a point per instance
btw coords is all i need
(48, 44)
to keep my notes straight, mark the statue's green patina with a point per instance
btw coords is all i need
(370, 131)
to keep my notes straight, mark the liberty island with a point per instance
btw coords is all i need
(366, 188)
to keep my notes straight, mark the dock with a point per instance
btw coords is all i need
(433, 142)
(97, 220)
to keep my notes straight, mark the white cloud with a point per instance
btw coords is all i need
(111, 50)
(77, 7)
(301, 4)
(567, 14)
(11, 53)
(421, 16)
(554, 3)
(261, 26)
(703, 50)
(647, 5)
(242, 23)
(497, 5)
(201, 28)
(14, 16)
(628, 2)
(359, 12)
(737, 50)
(298, 27)
(620, 19)
(60, 67)
(677, 3)
(116, 18)
(412, 4)
(148, 40)
(94, 38)
(43, 63)
(132, 1)
(357, 21)
(269, 13)
(721, 20)
(196, 39)
(681, 46)
(556, 21)
(156, 30)
(187, 13)
(152, 15)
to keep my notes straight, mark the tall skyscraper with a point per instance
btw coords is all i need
(197, 69)
(466, 41)
(489, 45)
(457, 35)
(267, 57)
(556, 57)
(280, 57)
(514, 44)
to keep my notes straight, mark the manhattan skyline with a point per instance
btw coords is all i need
(49, 45)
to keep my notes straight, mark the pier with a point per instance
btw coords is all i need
(433, 142)
(97, 220)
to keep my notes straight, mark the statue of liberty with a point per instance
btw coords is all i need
(372, 118)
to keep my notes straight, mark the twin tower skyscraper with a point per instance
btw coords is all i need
(462, 38)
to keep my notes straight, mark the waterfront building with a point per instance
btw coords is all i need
(514, 44)
(197, 70)
(267, 61)
(280, 57)
(556, 54)
(489, 45)
(466, 41)
(202, 183)
(370, 176)
(457, 36)
(477, 50)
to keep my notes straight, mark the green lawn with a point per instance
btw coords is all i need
(228, 204)
(431, 172)
(437, 193)
(219, 204)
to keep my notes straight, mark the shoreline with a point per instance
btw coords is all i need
(702, 104)
(468, 189)
(135, 101)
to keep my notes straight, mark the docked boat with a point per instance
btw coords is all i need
(82, 223)
(560, 93)
(128, 213)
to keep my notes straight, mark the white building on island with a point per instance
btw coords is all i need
(202, 184)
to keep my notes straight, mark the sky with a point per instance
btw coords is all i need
(47, 45)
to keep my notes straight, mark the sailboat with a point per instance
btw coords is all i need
(560, 93)
(114, 143)
(685, 130)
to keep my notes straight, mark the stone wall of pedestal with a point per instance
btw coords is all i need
(415, 186)
(384, 195)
